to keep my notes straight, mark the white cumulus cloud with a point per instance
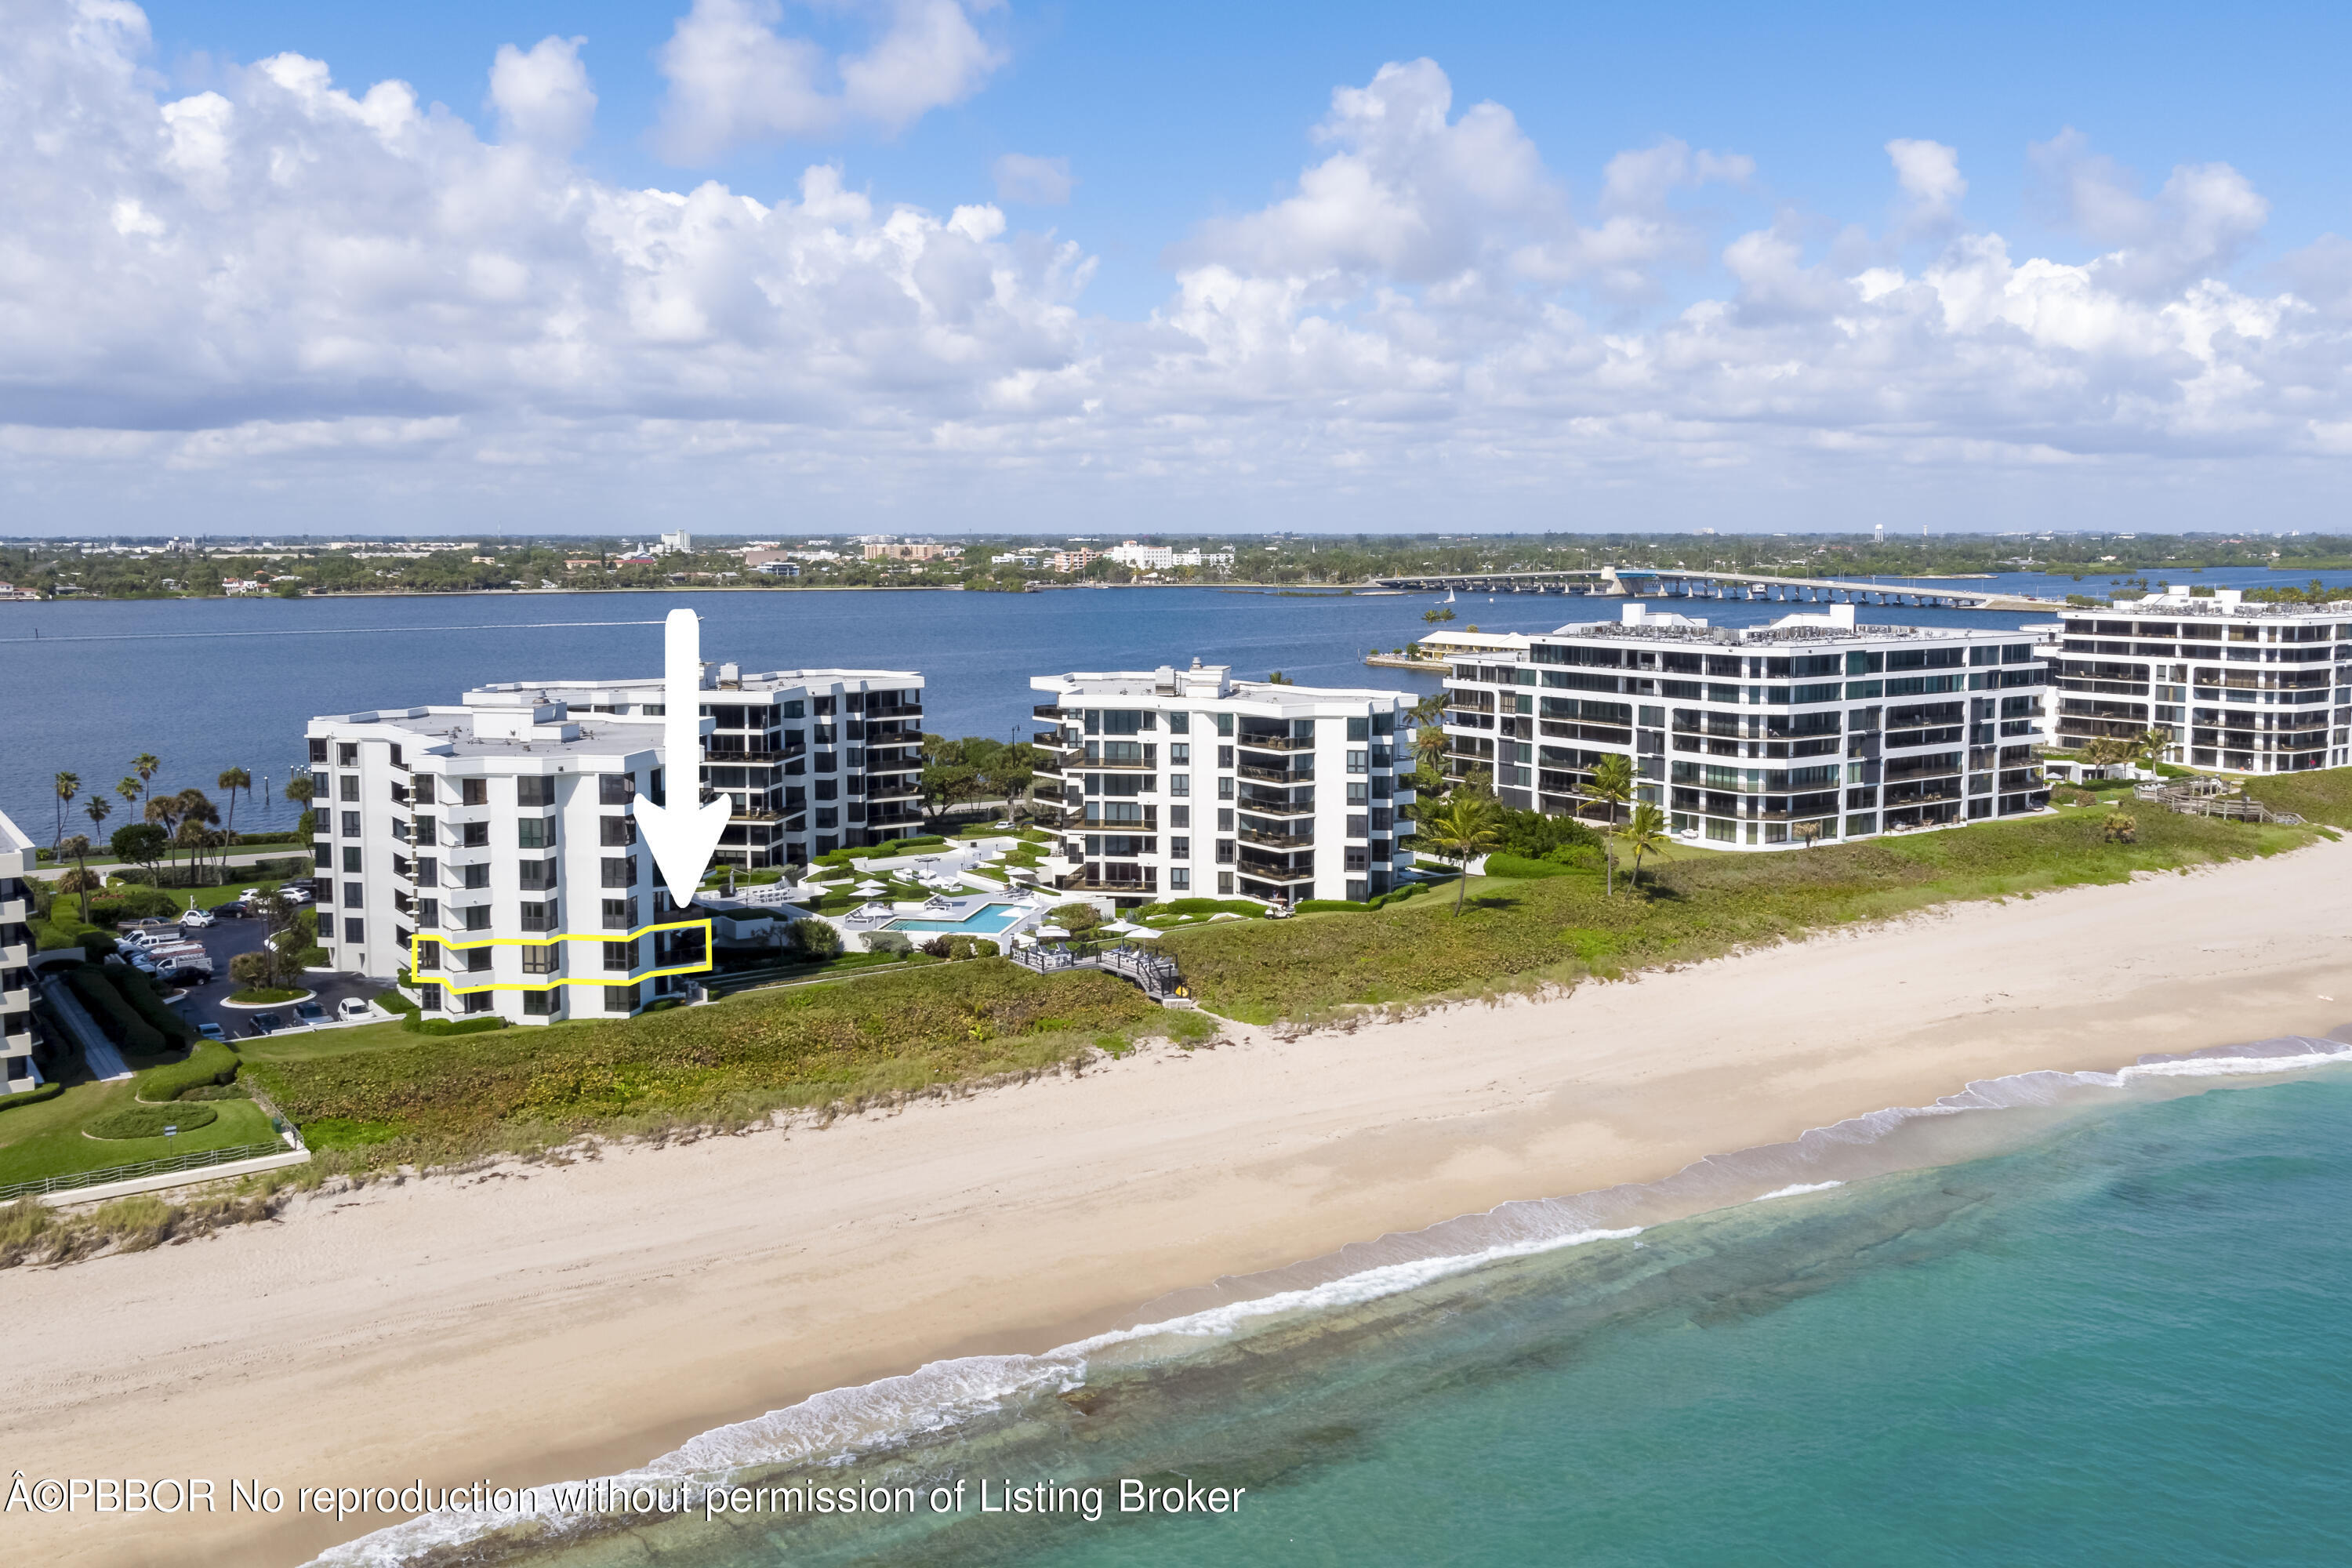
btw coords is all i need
(734, 79)
(283, 299)
(1033, 182)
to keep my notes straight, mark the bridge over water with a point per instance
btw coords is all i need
(1677, 583)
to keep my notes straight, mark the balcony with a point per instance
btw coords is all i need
(1270, 868)
(1046, 711)
(1275, 805)
(1084, 881)
(1275, 743)
(13, 912)
(1050, 739)
(1276, 841)
(1280, 776)
(16, 1001)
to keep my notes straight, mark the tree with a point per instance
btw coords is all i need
(1644, 833)
(1008, 771)
(300, 789)
(129, 790)
(231, 781)
(78, 847)
(1461, 832)
(1075, 919)
(1437, 617)
(2149, 749)
(1806, 833)
(1276, 678)
(69, 786)
(145, 765)
(140, 843)
(949, 777)
(1612, 785)
(2121, 828)
(98, 808)
(2105, 751)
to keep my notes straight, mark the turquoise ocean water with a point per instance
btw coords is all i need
(2060, 1319)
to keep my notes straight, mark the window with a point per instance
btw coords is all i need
(1180, 783)
(1224, 851)
(354, 895)
(615, 789)
(827, 816)
(1224, 789)
(1225, 881)
(535, 832)
(428, 911)
(428, 955)
(1224, 822)
(324, 857)
(1180, 724)
(1224, 756)
(350, 824)
(429, 998)
(421, 788)
(615, 831)
(1359, 828)
(348, 787)
(620, 870)
(478, 917)
(828, 789)
(545, 959)
(1225, 727)
(538, 1004)
(1179, 849)
(538, 874)
(538, 916)
(1358, 891)
(620, 998)
(1356, 857)
(474, 791)
(1180, 816)
(347, 755)
(352, 859)
(1360, 729)
(473, 875)
(620, 914)
(1180, 755)
(425, 830)
(535, 790)
(318, 751)
(354, 931)
(1180, 877)
(1358, 762)
(1360, 791)
(620, 957)
(475, 836)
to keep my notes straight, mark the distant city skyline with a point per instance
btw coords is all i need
(954, 267)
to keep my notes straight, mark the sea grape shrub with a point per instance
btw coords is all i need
(814, 939)
(890, 942)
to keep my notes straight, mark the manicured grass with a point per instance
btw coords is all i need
(928, 1024)
(303, 1044)
(255, 998)
(46, 1140)
(1689, 905)
(2324, 797)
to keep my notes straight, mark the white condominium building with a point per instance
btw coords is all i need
(814, 760)
(1176, 782)
(2248, 689)
(502, 829)
(1812, 729)
(18, 1033)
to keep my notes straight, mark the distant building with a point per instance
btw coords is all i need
(1165, 557)
(581, 562)
(909, 551)
(1069, 560)
(238, 585)
(678, 544)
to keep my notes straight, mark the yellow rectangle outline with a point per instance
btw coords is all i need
(418, 977)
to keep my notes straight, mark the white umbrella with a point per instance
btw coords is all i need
(1052, 931)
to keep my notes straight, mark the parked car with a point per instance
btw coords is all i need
(199, 919)
(211, 1031)
(353, 1008)
(138, 959)
(231, 911)
(297, 892)
(309, 1013)
(267, 1023)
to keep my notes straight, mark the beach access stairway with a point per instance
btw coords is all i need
(2204, 797)
(1153, 971)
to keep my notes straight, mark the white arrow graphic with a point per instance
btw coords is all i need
(683, 833)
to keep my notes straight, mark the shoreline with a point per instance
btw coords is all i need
(632, 1301)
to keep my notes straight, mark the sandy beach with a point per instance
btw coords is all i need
(542, 1322)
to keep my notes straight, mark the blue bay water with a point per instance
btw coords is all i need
(2124, 1339)
(210, 684)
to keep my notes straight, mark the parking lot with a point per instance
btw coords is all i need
(224, 941)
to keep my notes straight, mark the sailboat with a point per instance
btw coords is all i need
(1449, 596)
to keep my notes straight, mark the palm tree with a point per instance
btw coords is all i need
(2151, 747)
(98, 808)
(232, 781)
(78, 847)
(1461, 832)
(145, 765)
(1612, 785)
(196, 810)
(129, 790)
(69, 786)
(1644, 833)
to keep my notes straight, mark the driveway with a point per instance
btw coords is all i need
(226, 939)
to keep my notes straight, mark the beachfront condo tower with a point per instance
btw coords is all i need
(18, 1033)
(1174, 784)
(2241, 688)
(494, 839)
(1811, 729)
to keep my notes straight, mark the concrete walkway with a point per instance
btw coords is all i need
(98, 1053)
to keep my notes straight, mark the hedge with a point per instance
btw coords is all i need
(34, 1096)
(140, 992)
(453, 1026)
(149, 1120)
(116, 1017)
(210, 1062)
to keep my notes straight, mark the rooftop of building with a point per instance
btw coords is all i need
(12, 839)
(723, 677)
(1834, 626)
(1203, 682)
(2176, 601)
(541, 730)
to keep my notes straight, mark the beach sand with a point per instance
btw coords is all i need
(546, 1322)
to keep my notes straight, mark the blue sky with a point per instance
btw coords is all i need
(1377, 264)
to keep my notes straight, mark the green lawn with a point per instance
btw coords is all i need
(46, 1140)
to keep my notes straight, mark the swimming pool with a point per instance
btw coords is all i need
(986, 921)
